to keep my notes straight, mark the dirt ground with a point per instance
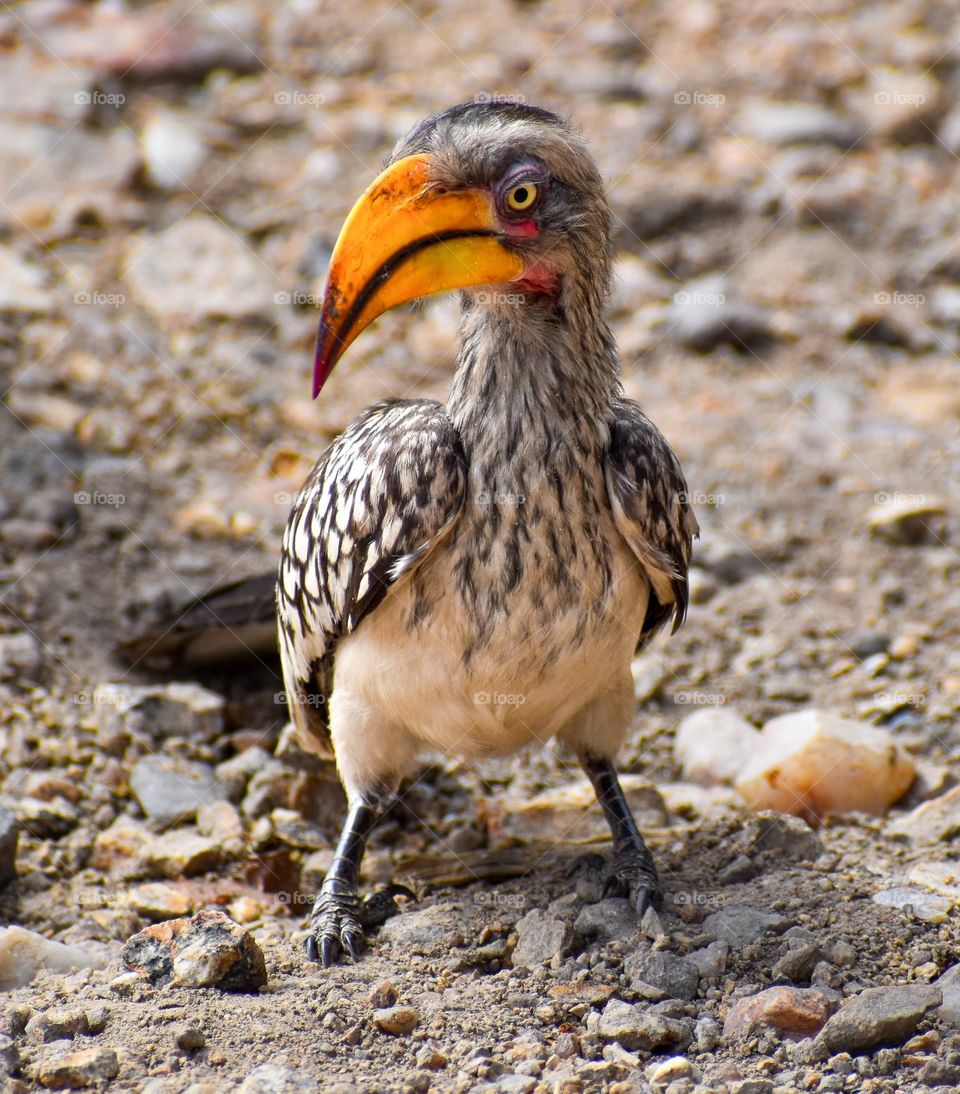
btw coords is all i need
(173, 178)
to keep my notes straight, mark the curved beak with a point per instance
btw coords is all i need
(404, 239)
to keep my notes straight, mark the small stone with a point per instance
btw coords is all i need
(739, 925)
(396, 1020)
(786, 836)
(171, 790)
(540, 938)
(675, 1067)
(866, 643)
(9, 835)
(659, 974)
(740, 869)
(779, 122)
(277, 1079)
(56, 1024)
(792, 1013)
(9, 1057)
(173, 151)
(880, 1016)
(908, 521)
(207, 950)
(814, 763)
(221, 821)
(178, 854)
(949, 986)
(22, 285)
(74, 1070)
(189, 1038)
(707, 1033)
(47, 819)
(925, 906)
(23, 954)
(705, 313)
(635, 1027)
(158, 901)
(234, 774)
(712, 746)
(20, 656)
(798, 963)
(440, 925)
(606, 920)
(710, 961)
(932, 822)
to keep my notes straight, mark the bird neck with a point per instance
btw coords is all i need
(530, 369)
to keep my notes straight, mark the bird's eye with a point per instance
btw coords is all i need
(523, 196)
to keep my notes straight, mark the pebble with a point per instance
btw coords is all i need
(710, 961)
(932, 822)
(712, 746)
(173, 151)
(949, 985)
(540, 938)
(814, 763)
(792, 1013)
(20, 656)
(785, 836)
(194, 270)
(178, 854)
(47, 819)
(170, 790)
(705, 313)
(189, 1038)
(635, 1027)
(151, 713)
(24, 953)
(9, 836)
(786, 123)
(675, 1067)
(738, 924)
(22, 285)
(908, 521)
(158, 901)
(234, 774)
(72, 1070)
(207, 950)
(606, 920)
(915, 902)
(396, 1020)
(880, 1016)
(659, 974)
(797, 963)
(421, 931)
(277, 1079)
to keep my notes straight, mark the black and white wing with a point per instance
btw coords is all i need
(376, 503)
(648, 495)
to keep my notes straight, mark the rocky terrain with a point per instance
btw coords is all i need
(784, 182)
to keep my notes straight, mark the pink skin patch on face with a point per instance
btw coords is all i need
(539, 279)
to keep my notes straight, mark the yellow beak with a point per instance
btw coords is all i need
(405, 239)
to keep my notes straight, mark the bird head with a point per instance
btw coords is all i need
(497, 196)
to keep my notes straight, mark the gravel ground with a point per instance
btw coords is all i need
(784, 179)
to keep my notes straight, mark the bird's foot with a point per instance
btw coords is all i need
(633, 875)
(335, 925)
(340, 919)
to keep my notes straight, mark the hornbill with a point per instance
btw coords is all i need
(472, 577)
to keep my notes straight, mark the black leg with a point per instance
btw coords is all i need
(632, 873)
(335, 923)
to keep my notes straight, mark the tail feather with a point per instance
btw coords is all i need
(229, 623)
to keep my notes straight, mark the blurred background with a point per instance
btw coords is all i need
(784, 178)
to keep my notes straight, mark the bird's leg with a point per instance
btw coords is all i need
(632, 873)
(335, 923)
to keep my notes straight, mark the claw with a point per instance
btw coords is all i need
(328, 950)
(312, 954)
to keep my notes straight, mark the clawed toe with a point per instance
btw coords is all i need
(335, 927)
(633, 875)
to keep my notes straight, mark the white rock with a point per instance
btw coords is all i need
(815, 763)
(22, 286)
(173, 151)
(906, 519)
(24, 953)
(713, 746)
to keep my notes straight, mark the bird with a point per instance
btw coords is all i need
(473, 577)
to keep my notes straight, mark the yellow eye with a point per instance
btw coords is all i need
(522, 196)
